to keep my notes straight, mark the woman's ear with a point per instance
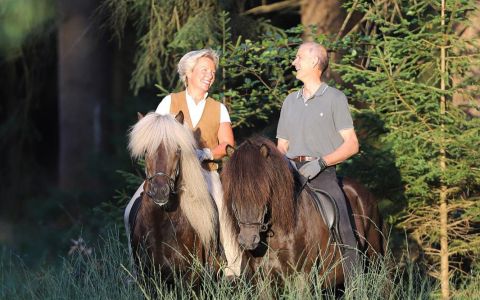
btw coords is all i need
(188, 74)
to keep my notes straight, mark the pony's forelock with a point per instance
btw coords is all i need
(155, 129)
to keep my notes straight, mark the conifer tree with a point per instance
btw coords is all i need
(167, 29)
(160, 26)
(401, 63)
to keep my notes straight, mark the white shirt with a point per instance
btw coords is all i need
(195, 110)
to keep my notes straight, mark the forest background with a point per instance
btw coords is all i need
(74, 74)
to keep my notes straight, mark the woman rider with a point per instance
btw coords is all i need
(212, 129)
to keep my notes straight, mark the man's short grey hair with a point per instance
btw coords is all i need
(189, 60)
(319, 51)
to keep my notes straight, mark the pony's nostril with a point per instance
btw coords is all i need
(248, 242)
(256, 239)
(241, 241)
(152, 191)
(165, 190)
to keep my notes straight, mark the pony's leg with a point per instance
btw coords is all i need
(227, 236)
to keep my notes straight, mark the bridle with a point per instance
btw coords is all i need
(171, 179)
(262, 224)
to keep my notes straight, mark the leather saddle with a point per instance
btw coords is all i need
(325, 205)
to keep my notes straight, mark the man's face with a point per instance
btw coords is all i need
(304, 63)
(203, 74)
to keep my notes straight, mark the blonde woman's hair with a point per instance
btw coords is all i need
(188, 61)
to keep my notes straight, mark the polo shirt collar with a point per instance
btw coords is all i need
(320, 91)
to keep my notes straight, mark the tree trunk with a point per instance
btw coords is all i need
(471, 32)
(82, 90)
(444, 268)
(326, 15)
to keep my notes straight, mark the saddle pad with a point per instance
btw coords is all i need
(132, 217)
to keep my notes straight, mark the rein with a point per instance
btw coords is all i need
(263, 225)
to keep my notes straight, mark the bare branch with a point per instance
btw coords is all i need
(268, 8)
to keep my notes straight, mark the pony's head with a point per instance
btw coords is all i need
(258, 190)
(173, 170)
(149, 139)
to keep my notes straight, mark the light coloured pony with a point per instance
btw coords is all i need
(175, 221)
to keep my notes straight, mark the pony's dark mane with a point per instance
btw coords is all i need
(252, 180)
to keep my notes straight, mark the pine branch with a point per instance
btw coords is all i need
(393, 86)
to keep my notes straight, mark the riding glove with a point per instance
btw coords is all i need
(204, 154)
(311, 169)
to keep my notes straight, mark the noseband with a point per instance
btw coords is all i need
(262, 224)
(171, 179)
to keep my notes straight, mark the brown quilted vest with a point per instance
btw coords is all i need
(206, 131)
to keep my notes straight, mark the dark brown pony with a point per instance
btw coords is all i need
(279, 225)
(174, 223)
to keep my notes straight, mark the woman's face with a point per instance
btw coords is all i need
(202, 75)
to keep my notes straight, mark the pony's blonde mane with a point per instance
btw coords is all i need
(155, 130)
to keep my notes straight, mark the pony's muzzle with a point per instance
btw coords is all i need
(248, 241)
(159, 195)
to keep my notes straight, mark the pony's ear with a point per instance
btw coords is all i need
(230, 150)
(139, 116)
(264, 150)
(180, 117)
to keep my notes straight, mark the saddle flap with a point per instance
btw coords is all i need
(325, 205)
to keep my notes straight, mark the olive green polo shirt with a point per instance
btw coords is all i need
(312, 126)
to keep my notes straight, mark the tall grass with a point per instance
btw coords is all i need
(106, 274)
(98, 275)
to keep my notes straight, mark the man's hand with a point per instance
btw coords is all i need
(311, 169)
(204, 154)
